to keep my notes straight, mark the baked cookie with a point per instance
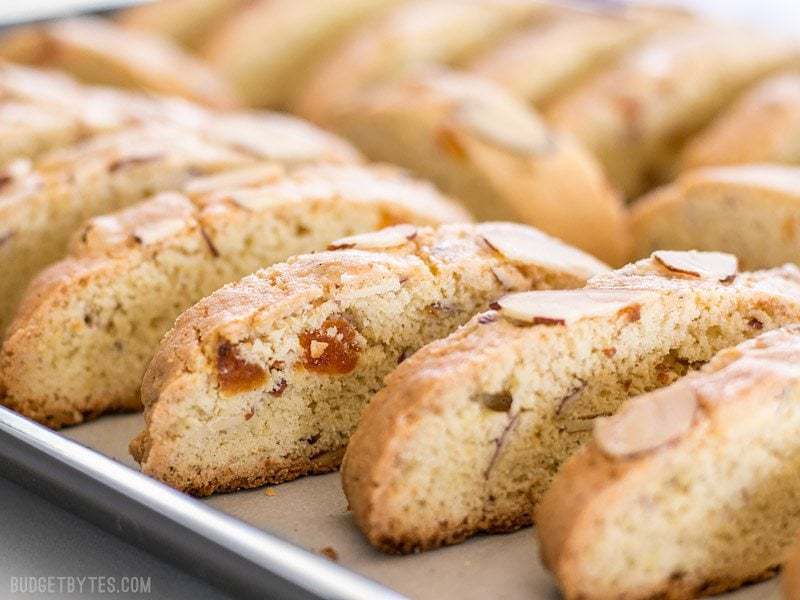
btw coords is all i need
(98, 51)
(187, 22)
(484, 146)
(584, 41)
(762, 126)
(42, 206)
(688, 491)
(271, 70)
(472, 427)
(97, 316)
(28, 130)
(418, 32)
(264, 380)
(752, 211)
(637, 115)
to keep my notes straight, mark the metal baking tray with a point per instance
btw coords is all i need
(258, 545)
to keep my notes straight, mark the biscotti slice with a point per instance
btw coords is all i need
(472, 427)
(271, 70)
(98, 51)
(688, 491)
(82, 338)
(637, 115)
(543, 61)
(487, 148)
(752, 211)
(762, 126)
(28, 130)
(187, 22)
(264, 380)
(415, 33)
(41, 208)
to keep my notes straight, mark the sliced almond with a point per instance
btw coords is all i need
(390, 237)
(230, 180)
(706, 265)
(647, 422)
(561, 307)
(529, 246)
(158, 230)
(509, 125)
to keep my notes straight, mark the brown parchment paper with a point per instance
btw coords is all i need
(312, 512)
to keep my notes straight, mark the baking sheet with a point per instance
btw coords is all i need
(312, 513)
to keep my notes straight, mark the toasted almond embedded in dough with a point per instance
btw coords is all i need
(507, 125)
(528, 246)
(708, 265)
(561, 307)
(391, 237)
(647, 422)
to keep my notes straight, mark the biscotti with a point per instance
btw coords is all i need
(584, 42)
(762, 126)
(264, 380)
(688, 491)
(487, 148)
(469, 431)
(636, 116)
(418, 32)
(187, 22)
(98, 51)
(752, 211)
(41, 207)
(82, 338)
(271, 70)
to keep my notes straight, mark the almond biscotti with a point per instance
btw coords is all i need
(271, 70)
(41, 207)
(752, 211)
(419, 32)
(584, 42)
(264, 380)
(487, 148)
(470, 430)
(688, 491)
(187, 22)
(636, 116)
(762, 126)
(98, 51)
(82, 338)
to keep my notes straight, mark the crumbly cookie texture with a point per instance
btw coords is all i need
(752, 211)
(264, 380)
(99, 51)
(486, 147)
(687, 491)
(636, 116)
(82, 337)
(412, 34)
(763, 126)
(473, 426)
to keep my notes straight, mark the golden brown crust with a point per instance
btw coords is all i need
(756, 371)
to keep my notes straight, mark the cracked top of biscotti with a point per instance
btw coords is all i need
(107, 241)
(361, 265)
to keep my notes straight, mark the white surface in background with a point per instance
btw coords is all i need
(15, 11)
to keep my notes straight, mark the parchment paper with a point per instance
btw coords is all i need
(312, 512)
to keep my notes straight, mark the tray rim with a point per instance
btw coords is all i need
(236, 557)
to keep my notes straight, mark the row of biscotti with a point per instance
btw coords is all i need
(634, 84)
(266, 379)
(688, 490)
(44, 201)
